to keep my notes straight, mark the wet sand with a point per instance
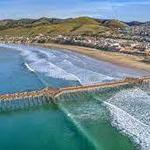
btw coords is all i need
(126, 60)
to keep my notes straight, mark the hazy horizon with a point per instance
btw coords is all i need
(125, 10)
(36, 18)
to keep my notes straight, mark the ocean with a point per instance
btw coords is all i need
(117, 120)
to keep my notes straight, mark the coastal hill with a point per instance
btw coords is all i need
(104, 34)
(54, 26)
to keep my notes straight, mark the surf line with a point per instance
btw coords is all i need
(28, 67)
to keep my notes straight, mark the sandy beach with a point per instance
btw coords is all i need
(126, 60)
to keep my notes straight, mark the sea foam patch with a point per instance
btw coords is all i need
(69, 66)
(130, 112)
(57, 64)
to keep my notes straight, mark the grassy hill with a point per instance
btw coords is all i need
(115, 24)
(53, 26)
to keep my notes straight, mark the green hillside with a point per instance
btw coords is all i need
(115, 24)
(53, 26)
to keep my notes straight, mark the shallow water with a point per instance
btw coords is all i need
(130, 110)
(91, 117)
(76, 122)
(110, 120)
(13, 75)
(57, 68)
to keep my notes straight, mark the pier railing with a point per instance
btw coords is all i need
(48, 95)
(53, 93)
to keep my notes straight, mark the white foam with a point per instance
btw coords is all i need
(86, 76)
(68, 65)
(29, 67)
(51, 70)
(130, 111)
(54, 66)
(134, 101)
(41, 65)
(131, 126)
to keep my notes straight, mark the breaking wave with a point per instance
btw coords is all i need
(130, 112)
(29, 68)
(69, 65)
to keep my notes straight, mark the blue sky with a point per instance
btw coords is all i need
(127, 10)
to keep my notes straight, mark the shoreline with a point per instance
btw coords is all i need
(124, 60)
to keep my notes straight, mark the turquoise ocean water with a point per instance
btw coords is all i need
(77, 122)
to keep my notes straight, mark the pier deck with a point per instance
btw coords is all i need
(53, 93)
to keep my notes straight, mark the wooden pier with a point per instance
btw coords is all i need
(53, 93)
